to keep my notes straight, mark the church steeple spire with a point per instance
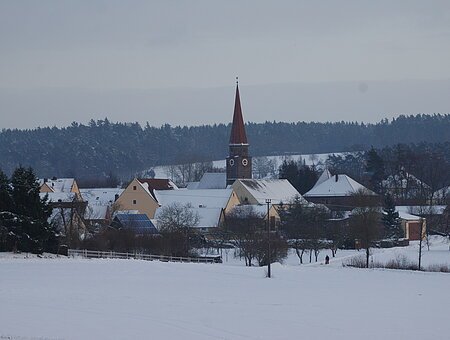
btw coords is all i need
(239, 162)
(238, 135)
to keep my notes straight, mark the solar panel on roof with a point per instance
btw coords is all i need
(138, 222)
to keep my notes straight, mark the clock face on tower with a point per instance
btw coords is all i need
(244, 161)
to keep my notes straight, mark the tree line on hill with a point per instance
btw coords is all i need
(412, 173)
(101, 147)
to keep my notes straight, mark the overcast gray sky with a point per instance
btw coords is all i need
(175, 61)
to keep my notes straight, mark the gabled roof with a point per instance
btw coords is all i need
(152, 184)
(278, 190)
(408, 217)
(99, 200)
(323, 177)
(337, 186)
(213, 180)
(158, 183)
(137, 222)
(192, 185)
(100, 196)
(58, 184)
(208, 203)
(443, 192)
(238, 135)
(56, 197)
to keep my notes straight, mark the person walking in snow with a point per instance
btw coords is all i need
(327, 259)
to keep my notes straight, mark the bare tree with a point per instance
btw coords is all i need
(365, 221)
(244, 227)
(304, 225)
(263, 167)
(176, 223)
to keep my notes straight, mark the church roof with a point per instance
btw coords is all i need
(238, 135)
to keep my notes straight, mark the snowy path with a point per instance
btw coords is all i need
(128, 299)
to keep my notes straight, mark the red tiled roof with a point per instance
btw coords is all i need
(238, 135)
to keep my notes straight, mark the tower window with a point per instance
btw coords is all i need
(134, 201)
(134, 187)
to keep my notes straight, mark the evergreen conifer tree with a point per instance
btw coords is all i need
(5, 193)
(391, 219)
(375, 167)
(32, 230)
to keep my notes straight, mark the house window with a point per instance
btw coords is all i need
(134, 201)
(134, 187)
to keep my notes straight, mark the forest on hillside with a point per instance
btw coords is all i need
(103, 147)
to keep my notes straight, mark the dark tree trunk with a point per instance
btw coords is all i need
(367, 257)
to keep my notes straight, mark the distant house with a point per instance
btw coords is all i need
(67, 212)
(326, 174)
(411, 225)
(58, 185)
(140, 195)
(100, 204)
(442, 196)
(210, 180)
(138, 223)
(436, 215)
(406, 188)
(336, 193)
(210, 204)
(256, 191)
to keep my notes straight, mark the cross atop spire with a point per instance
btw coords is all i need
(238, 135)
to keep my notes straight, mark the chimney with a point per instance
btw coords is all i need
(45, 180)
(336, 177)
(116, 197)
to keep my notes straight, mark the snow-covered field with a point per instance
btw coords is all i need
(60, 298)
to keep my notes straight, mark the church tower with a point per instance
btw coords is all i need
(239, 163)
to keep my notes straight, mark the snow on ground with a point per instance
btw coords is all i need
(60, 298)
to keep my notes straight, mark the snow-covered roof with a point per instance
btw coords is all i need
(442, 193)
(138, 222)
(323, 177)
(338, 185)
(150, 185)
(100, 196)
(408, 217)
(421, 210)
(402, 180)
(208, 203)
(278, 190)
(99, 200)
(59, 196)
(213, 180)
(59, 184)
(96, 212)
(192, 185)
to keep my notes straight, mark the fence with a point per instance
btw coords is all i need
(94, 254)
